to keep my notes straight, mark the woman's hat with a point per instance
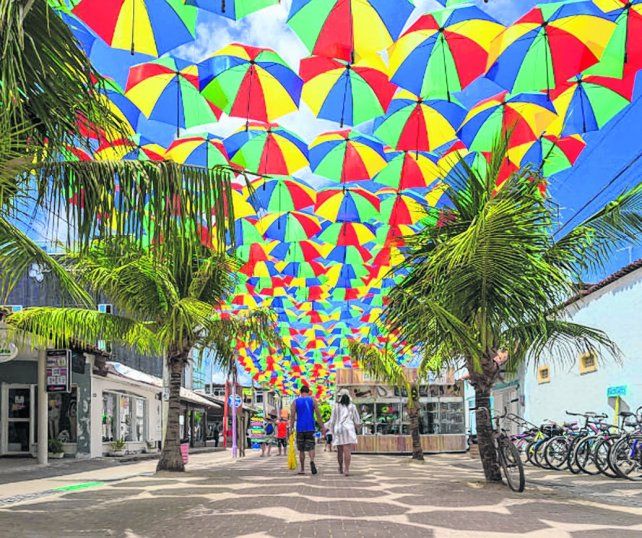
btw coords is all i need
(343, 392)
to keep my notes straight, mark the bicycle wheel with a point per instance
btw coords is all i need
(570, 462)
(512, 466)
(584, 455)
(556, 452)
(529, 451)
(601, 454)
(626, 458)
(539, 454)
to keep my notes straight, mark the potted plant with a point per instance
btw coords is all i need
(151, 447)
(55, 449)
(117, 448)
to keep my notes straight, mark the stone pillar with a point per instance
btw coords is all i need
(43, 409)
(83, 409)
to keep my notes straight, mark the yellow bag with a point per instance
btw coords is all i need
(291, 453)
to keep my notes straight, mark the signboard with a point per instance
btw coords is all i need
(614, 392)
(234, 401)
(58, 370)
(257, 433)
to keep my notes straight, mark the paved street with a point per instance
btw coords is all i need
(386, 496)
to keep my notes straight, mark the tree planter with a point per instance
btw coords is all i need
(117, 453)
(56, 455)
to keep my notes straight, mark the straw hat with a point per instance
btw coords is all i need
(343, 392)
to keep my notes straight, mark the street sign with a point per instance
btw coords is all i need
(614, 392)
(58, 370)
(234, 401)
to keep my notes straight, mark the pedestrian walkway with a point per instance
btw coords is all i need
(386, 496)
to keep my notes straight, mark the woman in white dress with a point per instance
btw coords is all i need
(343, 423)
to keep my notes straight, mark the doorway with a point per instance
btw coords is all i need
(17, 435)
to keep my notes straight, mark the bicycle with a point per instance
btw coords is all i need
(625, 456)
(507, 454)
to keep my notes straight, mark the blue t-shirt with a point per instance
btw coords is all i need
(304, 414)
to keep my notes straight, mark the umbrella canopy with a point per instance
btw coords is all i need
(525, 116)
(624, 50)
(281, 194)
(152, 27)
(345, 92)
(198, 150)
(409, 170)
(548, 45)
(166, 90)
(413, 123)
(232, 9)
(267, 148)
(401, 207)
(347, 204)
(346, 156)
(587, 103)
(348, 234)
(133, 148)
(250, 82)
(548, 154)
(289, 226)
(348, 29)
(443, 52)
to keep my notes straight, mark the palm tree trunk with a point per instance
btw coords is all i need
(413, 414)
(487, 452)
(171, 459)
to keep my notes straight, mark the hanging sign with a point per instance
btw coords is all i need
(234, 401)
(58, 370)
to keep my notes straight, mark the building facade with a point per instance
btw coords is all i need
(594, 383)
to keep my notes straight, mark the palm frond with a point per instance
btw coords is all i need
(65, 327)
(18, 252)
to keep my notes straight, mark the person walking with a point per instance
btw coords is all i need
(343, 423)
(268, 439)
(216, 434)
(303, 412)
(282, 435)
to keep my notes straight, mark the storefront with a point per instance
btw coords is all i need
(386, 424)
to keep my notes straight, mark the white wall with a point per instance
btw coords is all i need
(616, 310)
(153, 411)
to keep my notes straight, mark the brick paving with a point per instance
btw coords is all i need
(386, 496)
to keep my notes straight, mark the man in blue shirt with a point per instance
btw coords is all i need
(302, 413)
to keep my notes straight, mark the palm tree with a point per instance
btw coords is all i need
(50, 100)
(384, 366)
(490, 277)
(165, 304)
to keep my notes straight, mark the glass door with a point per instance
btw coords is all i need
(18, 414)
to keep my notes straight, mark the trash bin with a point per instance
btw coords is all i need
(185, 451)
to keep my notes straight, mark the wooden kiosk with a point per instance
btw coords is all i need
(385, 419)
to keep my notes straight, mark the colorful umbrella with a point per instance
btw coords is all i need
(587, 103)
(232, 9)
(443, 52)
(525, 116)
(347, 204)
(348, 29)
(401, 207)
(548, 45)
(346, 156)
(409, 170)
(166, 90)
(133, 148)
(413, 123)
(250, 83)
(267, 148)
(152, 27)
(289, 226)
(281, 194)
(624, 49)
(199, 150)
(349, 93)
(549, 154)
(348, 234)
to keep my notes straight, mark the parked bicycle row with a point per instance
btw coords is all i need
(586, 444)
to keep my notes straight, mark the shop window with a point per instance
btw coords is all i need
(588, 363)
(366, 412)
(387, 415)
(442, 417)
(63, 420)
(543, 375)
(125, 428)
(138, 419)
(110, 416)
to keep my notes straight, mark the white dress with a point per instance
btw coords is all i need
(343, 423)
